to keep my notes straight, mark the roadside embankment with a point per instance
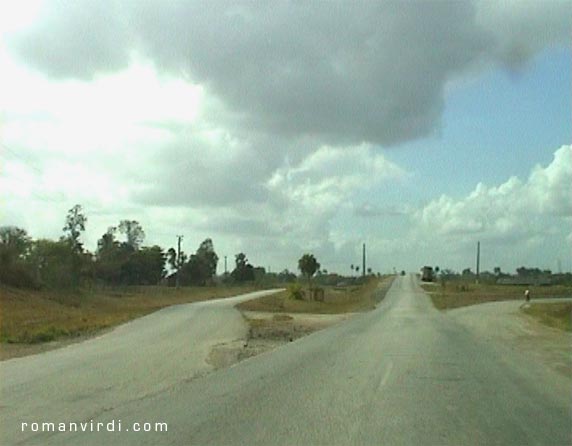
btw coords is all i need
(35, 321)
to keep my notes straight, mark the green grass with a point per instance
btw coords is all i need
(557, 315)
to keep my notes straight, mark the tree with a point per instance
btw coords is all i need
(146, 266)
(208, 256)
(243, 271)
(15, 247)
(111, 258)
(107, 241)
(57, 263)
(497, 271)
(14, 244)
(75, 225)
(286, 276)
(308, 265)
(134, 233)
(201, 267)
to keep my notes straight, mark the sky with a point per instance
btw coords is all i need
(285, 127)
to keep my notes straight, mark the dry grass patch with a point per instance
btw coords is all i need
(457, 294)
(337, 300)
(40, 316)
(557, 314)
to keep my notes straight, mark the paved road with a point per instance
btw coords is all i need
(401, 374)
(138, 359)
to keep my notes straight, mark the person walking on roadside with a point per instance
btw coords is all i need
(527, 296)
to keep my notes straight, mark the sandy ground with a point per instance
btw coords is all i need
(269, 331)
(503, 322)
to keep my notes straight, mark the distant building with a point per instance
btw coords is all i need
(519, 280)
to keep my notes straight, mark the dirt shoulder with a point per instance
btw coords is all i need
(278, 319)
(506, 323)
(268, 331)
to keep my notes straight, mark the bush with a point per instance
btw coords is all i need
(17, 275)
(295, 291)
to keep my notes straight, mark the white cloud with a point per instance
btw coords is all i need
(328, 176)
(256, 124)
(512, 210)
(338, 71)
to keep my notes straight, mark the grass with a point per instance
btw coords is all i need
(32, 317)
(457, 294)
(557, 315)
(337, 300)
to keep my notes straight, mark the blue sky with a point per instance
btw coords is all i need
(498, 125)
(295, 128)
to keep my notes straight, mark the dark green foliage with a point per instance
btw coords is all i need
(200, 269)
(286, 276)
(123, 263)
(243, 271)
(75, 225)
(134, 233)
(308, 265)
(145, 266)
(57, 264)
(532, 272)
(14, 250)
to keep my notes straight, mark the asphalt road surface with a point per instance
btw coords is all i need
(401, 374)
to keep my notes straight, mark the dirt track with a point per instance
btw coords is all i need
(504, 322)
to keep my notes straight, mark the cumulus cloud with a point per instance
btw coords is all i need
(369, 210)
(511, 211)
(259, 122)
(338, 71)
(331, 174)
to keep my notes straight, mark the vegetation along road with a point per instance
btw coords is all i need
(403, 373)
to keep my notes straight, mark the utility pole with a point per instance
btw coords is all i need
(225, 270)
(363, 261)
(478, 259)
(179, 238)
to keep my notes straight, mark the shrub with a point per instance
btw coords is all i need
(295, 291)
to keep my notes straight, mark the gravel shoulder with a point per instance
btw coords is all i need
(505, 323)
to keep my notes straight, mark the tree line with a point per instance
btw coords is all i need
(65, 263)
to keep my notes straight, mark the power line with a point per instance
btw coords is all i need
(21, 158)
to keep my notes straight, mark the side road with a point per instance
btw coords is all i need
(504, 324)
(131, 362)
